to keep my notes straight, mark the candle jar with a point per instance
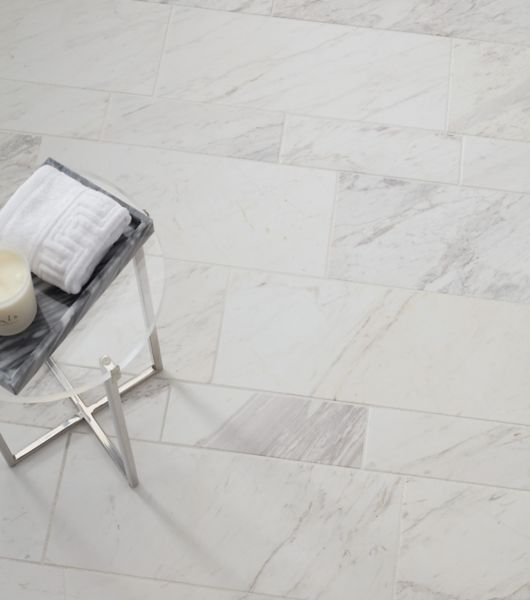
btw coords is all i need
(18, 305)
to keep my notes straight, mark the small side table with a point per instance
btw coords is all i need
(105, 343)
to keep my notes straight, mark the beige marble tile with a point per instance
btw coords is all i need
(259, 7)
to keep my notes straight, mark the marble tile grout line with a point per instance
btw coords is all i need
(105, 117)
(266, 162)
(399, 538)
(164, 417)
(320, 116)
(221, 323)
(461, 163)
(449, 87)
(332, 225)
(163, 51)
(68, 567)
(56, 496)
(338, 24)
(366, 433)
(282, 139)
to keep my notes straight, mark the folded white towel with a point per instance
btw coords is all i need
(63, 227)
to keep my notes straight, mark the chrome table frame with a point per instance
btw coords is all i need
(122, 455)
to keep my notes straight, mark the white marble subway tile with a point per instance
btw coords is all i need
(88, 43)
(18, 158)
(490, 90)
(491, 20)
(215, 209)
(31, 581)
(230, 520)
(258, 7)
(39, 108)
(441, 238)
(266, 424)
(463, 542)
(208, 128)
(371, 148)
(501, 164)
(450, 448)
(382, 76)
(376, 345)
(27, 494)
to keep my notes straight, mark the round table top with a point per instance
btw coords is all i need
(115, 326)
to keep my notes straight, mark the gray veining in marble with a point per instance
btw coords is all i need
(18, 159)
(266, 424)
(463, 542)
(382, 76)
(22, 355)
(450, 448)
(500, 164)
(230, 520)
(490, 90)
(114, 46)
(432, 237)
(259, 7)
(40, 108)
(371, 148)
(212, 129)
(31, 581)
(495, 20)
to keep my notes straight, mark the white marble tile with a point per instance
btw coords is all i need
(381, 76)
(266, 424)
(217, 210)
(371, 148)
(451, 448)
(463, 542)
(492, 20)
(441, 238)
(501, 164)
(144, 409)
(259, 7)
(38, 108)
(18, 158)
(88, 43)
(230, 520)
(27, 494)
(190, 319)
(30, 581)
(490, 90)
(207, 128)
(376, 345)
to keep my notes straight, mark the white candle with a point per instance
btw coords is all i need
(18, 305)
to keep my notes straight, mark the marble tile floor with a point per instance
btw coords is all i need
(342, 194)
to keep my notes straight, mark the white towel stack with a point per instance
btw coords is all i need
(63, 227)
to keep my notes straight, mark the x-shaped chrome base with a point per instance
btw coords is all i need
(121, 455)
